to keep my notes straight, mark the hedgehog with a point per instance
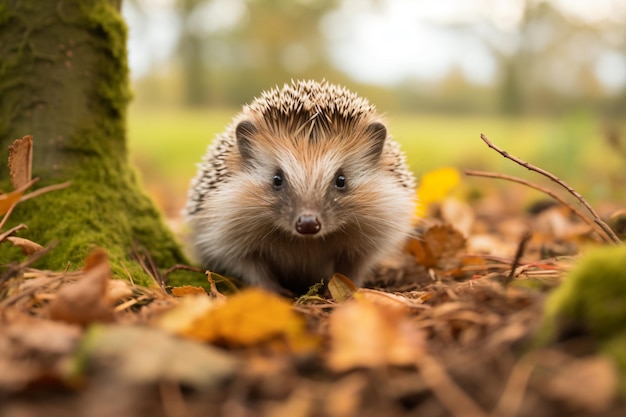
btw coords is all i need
(305, 182)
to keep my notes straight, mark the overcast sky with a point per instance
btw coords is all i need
(400, 39)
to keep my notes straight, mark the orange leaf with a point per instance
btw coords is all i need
(187, 290)
(438, 247)
(9, 199)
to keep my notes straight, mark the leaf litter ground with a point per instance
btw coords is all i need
(447, 329)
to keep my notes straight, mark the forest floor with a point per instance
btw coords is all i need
(455, 326)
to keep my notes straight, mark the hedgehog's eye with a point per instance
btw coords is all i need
(340, 182)
(278, 180)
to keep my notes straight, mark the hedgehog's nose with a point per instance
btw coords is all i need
(308, 224)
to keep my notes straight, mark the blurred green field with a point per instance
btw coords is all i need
(166, 145)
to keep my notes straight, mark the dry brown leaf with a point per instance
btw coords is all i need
(438, 247)
(340, 287)
(366, 334)
(86, 300)
(459, 214)
(389, 300)
(444, 241)
(187, 290)
(21, 161)
(27, 246)
(118, 290)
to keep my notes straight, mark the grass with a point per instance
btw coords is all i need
(166, 145)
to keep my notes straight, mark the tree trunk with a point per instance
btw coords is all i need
(64, 80)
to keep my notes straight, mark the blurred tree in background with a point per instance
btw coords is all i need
(229, 50)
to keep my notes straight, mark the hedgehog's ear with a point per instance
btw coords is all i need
(244, 132)
(376, 133)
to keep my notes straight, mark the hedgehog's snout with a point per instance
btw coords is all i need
(308, 224)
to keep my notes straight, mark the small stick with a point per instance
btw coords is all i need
(518, 255)
(551, 193)
(178, 267)
(7, 214)
(515, 388)
(11, 231)
(554, 178)
(451, 396)
(44, 190)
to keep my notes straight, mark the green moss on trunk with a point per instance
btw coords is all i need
(64, 80)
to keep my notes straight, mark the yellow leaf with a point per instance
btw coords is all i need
(252, 317)
(435, 186)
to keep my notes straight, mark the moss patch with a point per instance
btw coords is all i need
(592, 301)
(73, 63)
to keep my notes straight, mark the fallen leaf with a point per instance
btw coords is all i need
(438, 247)
(9, 199)
(187, 290)
(118, 290)
(182, 318)
(366, 334)
(249, 318)
(85, 301)
(27, 246)
(340, 287)
(389, 300)
(32, 350)
(434, 187)
(21, 161)
(146, 355)
(459, 214)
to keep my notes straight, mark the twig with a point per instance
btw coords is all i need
(149, 269)
(511, 399)
(44, 190)
(552, 177)
(11, 231)
(7, 214)
(446, 390)
(547, 191)
(518, 255)
(178, 267)
(17, 190)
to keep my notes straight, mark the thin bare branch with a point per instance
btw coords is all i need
(605, 236)
(446, 390)
(44, 190)
(11, 231)
(518, 255)
(554, 178)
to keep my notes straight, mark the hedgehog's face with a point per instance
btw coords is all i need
(313, 182)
